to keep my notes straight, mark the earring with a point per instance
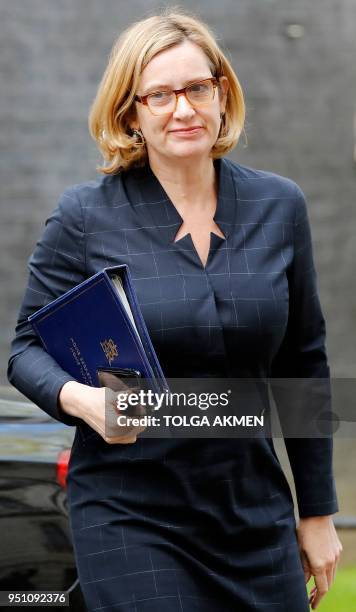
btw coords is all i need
(139, 137)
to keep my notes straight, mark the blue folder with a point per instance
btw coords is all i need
(89, 327)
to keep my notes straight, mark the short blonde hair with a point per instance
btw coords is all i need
(114, 106)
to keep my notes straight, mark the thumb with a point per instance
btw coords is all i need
(306, 566)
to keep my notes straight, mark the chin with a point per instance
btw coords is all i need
(186, 151)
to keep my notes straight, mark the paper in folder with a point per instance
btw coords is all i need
(99, 324)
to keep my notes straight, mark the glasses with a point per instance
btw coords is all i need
(164, 102)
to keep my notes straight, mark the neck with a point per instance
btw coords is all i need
(191, 183)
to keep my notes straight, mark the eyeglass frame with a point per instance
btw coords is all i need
(178, 92)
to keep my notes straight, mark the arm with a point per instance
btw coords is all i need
(56, 265)
(302, 354)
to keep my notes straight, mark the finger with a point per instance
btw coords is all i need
(95, 426)
(128, 441)
(330, 574)
(130, 436)
(132, 411)
(120, 439)
(307, 575)
(140, 429)
(312, 594)
(336, 565)
(321, 583)
(313, 590)
(126, 428)
(124, 419)
(334, 572)
(306, 567)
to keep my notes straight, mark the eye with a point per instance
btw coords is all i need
(200, 87)
(158, 96)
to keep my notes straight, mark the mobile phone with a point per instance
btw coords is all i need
(121, 372)
(113, 377)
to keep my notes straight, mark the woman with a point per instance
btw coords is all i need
(222, 264)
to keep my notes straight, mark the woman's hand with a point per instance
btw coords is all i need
(96, 406)
(320, 550)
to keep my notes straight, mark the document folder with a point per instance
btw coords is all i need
(99, 324)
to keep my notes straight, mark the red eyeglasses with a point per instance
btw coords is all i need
(164, 102)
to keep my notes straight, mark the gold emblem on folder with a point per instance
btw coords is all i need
(110, 349)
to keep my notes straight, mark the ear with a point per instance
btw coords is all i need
(132, 121)
(223, 89)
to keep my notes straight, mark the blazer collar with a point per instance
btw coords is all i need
(149, 199)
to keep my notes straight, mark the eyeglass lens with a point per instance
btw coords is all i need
(164, 101)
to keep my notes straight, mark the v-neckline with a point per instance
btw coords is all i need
(149, 198)
(186, 240)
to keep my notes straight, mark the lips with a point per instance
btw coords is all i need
(191, 129)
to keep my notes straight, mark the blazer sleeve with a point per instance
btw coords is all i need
(302, 354)
(56, 265)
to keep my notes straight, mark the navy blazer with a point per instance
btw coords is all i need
(252, 310)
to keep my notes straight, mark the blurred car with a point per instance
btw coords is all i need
(36, 546)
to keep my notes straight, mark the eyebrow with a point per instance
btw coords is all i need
(156, 86)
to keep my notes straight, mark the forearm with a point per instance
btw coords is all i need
(73, 399)
(37, 375)
(311, 464)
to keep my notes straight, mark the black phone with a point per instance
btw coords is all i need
(114, 377)
(121, 372)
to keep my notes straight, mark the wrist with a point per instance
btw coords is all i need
(316, 519)
(69, 398)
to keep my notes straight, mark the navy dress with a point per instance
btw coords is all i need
(195, 525)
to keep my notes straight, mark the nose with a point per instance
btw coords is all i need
(183, 108)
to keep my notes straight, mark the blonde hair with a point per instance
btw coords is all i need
(114, 106)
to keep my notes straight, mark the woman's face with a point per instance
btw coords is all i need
(173, 69)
